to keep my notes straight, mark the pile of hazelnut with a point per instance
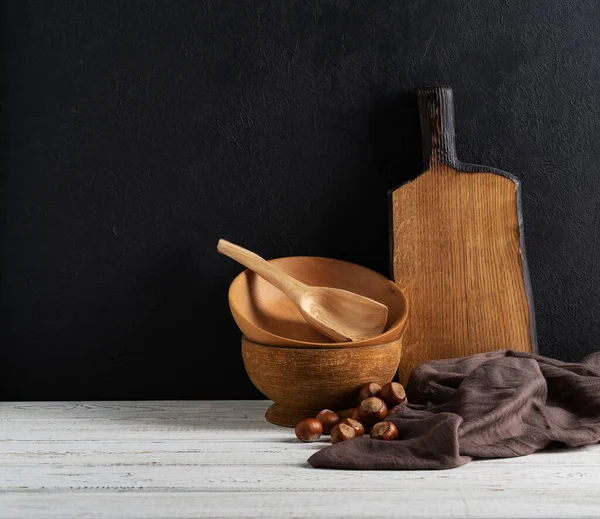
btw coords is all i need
(370, 415)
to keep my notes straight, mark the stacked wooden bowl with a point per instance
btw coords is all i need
(294, 365)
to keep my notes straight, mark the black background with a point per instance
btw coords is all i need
(134, 134)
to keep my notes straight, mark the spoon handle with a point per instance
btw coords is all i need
(287, 284)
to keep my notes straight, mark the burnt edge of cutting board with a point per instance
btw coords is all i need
(465, 167)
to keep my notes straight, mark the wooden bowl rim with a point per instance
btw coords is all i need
(291, 343)
(287, 348)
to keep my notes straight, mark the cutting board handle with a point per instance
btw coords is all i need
(436, 109)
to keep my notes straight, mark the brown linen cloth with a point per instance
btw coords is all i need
(491, 405)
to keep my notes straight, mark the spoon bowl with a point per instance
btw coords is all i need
(342, 315)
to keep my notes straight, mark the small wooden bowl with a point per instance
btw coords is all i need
(266, 316)
(303, 381)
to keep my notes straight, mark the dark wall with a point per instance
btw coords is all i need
(135, 134)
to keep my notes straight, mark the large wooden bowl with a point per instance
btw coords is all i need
(266, 316)
(302, 381)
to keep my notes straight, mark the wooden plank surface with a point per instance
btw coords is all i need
(458, 251)
(222, 459)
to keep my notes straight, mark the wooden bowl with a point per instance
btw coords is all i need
(266, 316)
(302, 381)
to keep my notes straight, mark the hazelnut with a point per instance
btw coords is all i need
(309, 430)
(328, 420)
(355, 414)
(386, 431)
(345, 413)
(393, 394)
(372, 410)
(369, 389)
(356, 425)
(342, 432)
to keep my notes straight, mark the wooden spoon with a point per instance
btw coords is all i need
(337, 313)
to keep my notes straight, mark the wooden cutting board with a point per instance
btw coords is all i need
(458, 250)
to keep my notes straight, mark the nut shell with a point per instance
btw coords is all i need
(355, 424)
(368, 389)
(329, 419)
(309, 430)
(393, 394)
(386, 431)
(342, 432)
(372, 410)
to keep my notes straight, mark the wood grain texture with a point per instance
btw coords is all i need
(458, 250)
(267, 316)
(302, 381)
(222, 459)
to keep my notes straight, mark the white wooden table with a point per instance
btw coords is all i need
(222, 459)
